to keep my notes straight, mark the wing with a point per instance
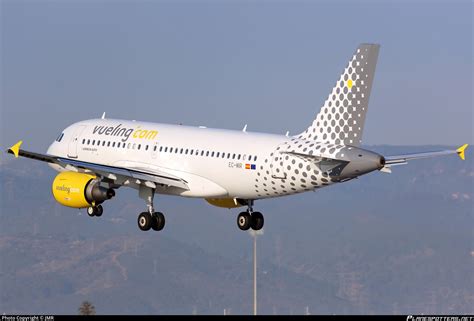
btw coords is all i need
(403, 159)
(121, 174)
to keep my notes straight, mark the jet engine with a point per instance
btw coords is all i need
(79, 190)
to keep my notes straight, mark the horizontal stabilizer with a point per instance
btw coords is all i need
(386, 169)
(328, 165)
(403, 159)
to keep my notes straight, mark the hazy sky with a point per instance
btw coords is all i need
(225, 64)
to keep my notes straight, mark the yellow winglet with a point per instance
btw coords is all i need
(461, 150)
(15, 149)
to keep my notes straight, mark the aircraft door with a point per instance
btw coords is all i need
(72, 148)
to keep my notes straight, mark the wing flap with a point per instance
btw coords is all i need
(155, 177)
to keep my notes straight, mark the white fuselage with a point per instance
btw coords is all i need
(212, 161)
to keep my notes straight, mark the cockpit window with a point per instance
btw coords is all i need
(60, 137)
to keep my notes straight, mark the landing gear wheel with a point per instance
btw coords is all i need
(145, 221)
(91, 211)
(99, 210)
(158, 221)
(243, 221)
(257, 221)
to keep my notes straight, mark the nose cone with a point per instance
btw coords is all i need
(362, 162)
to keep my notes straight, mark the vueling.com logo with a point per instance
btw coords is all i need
(67, 189)
(124, 132)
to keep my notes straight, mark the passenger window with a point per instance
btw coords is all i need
(146, 147)
(123, 145)
(228, 155)
(255, 158)
(207, 154)
(186, 151)
(88, 142)
(223, 155)
(166, 149)
(233, 156)
(202, 153)
(83, 141)
(238, 157)
(212, 154)
(161, 148)
(108, 144)
(113, 144)
(103, 143)
(250, 157)
(154, 148)
(133, 146)
(181, 151)
(217, 155)
(176, 150)
(191, 152)
(93, 142)
(171, 149)
(139, 146)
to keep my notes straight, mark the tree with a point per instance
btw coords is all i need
(86, 308)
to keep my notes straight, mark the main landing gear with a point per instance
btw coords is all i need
(250, 219)
(155, 220)
(150, 219)
(95, 210)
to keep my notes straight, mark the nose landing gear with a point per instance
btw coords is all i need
(95, 210)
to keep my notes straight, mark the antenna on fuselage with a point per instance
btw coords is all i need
(287, 133)
(103, 115)
(245, 128)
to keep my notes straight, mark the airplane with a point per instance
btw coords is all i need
(227, 168)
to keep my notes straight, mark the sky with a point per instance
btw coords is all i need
(224, 64)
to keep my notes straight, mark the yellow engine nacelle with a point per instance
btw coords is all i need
(224, 202)
(79, 190)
